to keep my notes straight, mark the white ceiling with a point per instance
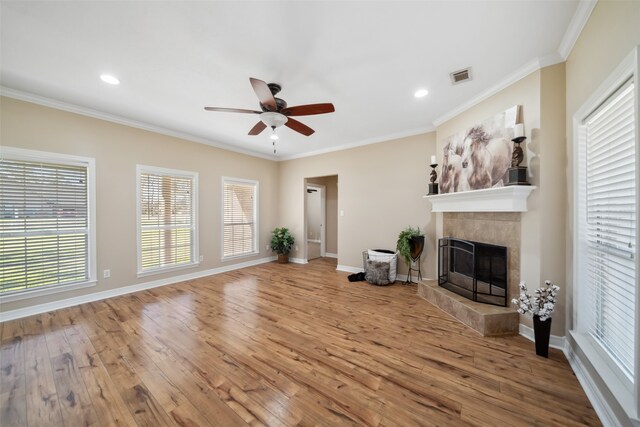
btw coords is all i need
(368, 58)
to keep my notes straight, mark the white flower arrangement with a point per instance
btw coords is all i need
(542, 304)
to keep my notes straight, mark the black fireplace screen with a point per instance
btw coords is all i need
(477, 271)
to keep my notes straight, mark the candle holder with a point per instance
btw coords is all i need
(433, 185)
(517, 173)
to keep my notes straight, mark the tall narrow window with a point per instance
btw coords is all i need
(45, 222)
(167, 232)
(605, 245)
(240, 214)
(610, 226)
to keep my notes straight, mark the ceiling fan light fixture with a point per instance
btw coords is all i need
(273, 119)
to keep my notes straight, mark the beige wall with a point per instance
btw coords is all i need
(117, 149)
(541, 237)
(380, 191)
(331, 185)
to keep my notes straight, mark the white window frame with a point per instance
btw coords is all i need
(256, 205)
(140, 169)
(61, 159)
(625, 390)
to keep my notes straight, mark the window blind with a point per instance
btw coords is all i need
(610, 229)
(239, 227)
(44, 226)
(167, 220)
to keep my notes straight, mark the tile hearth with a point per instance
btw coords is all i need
(488, 320)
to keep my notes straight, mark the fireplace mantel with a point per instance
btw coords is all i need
(501, 199)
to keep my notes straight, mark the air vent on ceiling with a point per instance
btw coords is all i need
(460, 76)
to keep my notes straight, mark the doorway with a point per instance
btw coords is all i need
(321, 217)
(316, 220)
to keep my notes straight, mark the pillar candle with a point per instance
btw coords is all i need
(518, 131)
(433, 159)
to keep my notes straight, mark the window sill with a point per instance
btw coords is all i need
(618, 384)
(167, 269)
(45, 290)
(234, 257)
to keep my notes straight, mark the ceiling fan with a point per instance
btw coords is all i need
(275, 112)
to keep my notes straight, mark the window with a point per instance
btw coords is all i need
(240, 215)
(167, 226)
(46, 222)
(605, 248)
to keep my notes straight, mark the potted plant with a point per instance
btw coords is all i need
(281, 243)
(410, 244)
(540, 307)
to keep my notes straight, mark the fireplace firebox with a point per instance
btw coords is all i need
(477, 271)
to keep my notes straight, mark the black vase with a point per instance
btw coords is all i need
(542, 332)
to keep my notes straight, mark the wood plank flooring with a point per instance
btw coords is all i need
(278, 345)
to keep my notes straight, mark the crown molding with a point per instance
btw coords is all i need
(369, 141)
(77, 109)
(578, 21)
(519, 74)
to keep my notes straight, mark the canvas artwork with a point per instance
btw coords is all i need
(479, 157)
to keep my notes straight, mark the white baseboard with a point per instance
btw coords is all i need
(96, 296)
(330, 255)
(298, 260)
(596, 398)
(554, 341)
(349, 269)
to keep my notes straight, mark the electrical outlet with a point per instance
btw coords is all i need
(296, 247)
(106, 274)
(266, 247)
(201, 258)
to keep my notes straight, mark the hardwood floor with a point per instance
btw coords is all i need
(276, 345)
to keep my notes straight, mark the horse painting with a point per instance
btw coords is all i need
(480, 157)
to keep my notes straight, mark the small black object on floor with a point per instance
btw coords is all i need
(357, 277)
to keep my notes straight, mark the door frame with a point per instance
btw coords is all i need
(323, 217)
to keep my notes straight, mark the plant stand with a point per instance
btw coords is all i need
(414, 266)
(417, 246)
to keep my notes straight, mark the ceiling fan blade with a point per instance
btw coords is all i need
(299, 127)
(232, 110)
(309, 110)
(264, 94)
(259, 127)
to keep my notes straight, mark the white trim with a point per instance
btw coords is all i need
(591, 389)
(256, 222)
(77, 109)
(140, 169)
(298, 260)
(96, 296)
(511, 198)
(355, 144)
(67, 159)
(349, 269)
(330, 255)
(554, 340)
(578, 21)
(519, 74)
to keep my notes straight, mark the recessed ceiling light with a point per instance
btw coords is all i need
(421, 93)
(108, 78)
